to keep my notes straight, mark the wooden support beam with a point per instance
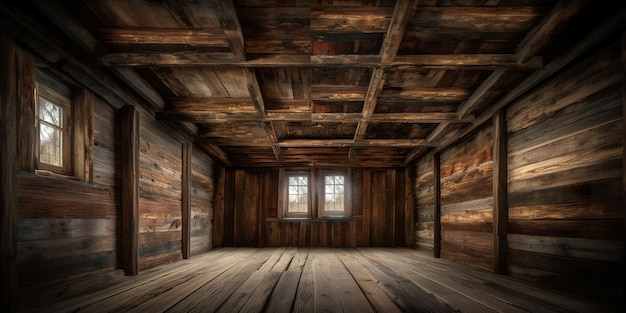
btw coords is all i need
(140, 86)
(443, 61)
(500, 192)
(84, 134)
(376, 86)
(129, 127)
(596, 36)
(427, 94)
(402, 14)
(509, 61)
(98, 81)
(480, 92)
(339, 143)
(624, 161)
(338, 93)
(212, 105)
(8, 173)
(409, 207)
(197, 37)
(542, 35)
(62, 18)
(232, 29)
(437, 205)
(215, 152)
(187, 149)
(420, 118)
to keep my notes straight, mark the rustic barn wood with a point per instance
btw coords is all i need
(9, 168)
(624, 154)
(185, 206)
(129, 125)
(486, 133)
(500, 200)
(340, 280)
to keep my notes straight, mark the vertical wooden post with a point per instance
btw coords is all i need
(409, 207)
(218, 208)
(391, 205)
(186, 200)
(500, 200)
(437, 205)
(83, 134)
(367, 207)
(129, 130)
(624, 162)
(26, 130)
(8, 172)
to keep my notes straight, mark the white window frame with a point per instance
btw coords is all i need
(322, 195)
(287, 175)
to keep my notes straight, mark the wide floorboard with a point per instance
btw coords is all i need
(319, 280)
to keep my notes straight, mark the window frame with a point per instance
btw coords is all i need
(285, 188)
(346, 213)
(63, 100)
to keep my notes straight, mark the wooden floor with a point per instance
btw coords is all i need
(319, 280)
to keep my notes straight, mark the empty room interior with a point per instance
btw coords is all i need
(312, 155)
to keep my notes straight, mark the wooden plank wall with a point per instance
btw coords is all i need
(202, 188)
(160, 192)
(424, 204)
(250, 213)
(564, 143)
(466, 200)
(565, 179)
(63, 238)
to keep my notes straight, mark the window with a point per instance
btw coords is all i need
(297, 195)
(316, 193)
(334, 195)
(54, 138)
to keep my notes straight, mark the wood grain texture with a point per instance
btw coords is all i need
(130, 125)
(160, 194)
(9, 168)
(565, 176)
(467, 186)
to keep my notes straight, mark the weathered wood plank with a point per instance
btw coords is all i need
(8, 171)
(500, 200)
(187, 151)
(129, 124)
(437, 205)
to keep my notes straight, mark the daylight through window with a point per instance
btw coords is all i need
(298, 194)
(334, 186)
(50, 133)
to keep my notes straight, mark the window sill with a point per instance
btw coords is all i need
(314, 219)
(47, 173)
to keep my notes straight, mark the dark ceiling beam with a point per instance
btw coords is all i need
(345, 143)
(427, 94)
(402, 14)
(232, 29)
(541, 35)
(197, 37)
(211, 116)
(595, 37)
(468, 60)
(462, 111)
(63, 19)
(212, 105)
(214, 151)
(443, 61)
(527, 50)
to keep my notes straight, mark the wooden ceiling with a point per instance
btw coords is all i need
(371, 83)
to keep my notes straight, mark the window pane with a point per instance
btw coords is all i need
(49, 112)
(298, 194)
(334, 191)
(50, 145)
